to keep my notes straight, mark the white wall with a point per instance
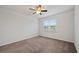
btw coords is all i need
(65, 26)
(77, 27)
(15, 26)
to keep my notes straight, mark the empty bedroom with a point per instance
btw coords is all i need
(39, 29)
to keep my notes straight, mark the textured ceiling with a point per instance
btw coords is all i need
(52, 9)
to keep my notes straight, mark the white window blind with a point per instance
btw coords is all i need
(49, 25)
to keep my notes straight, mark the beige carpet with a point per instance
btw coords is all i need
(39, 45)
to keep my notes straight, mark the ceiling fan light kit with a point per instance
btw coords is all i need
(38, 9)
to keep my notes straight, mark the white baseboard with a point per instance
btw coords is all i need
(16, 40)
(57, 38)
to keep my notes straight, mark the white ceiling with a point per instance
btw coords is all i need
(52, 9)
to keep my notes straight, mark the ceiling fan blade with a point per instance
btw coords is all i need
(31, 9)
(34, 12)
(43, 10)
(40, 13)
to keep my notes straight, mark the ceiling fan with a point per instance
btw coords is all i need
(38, 9)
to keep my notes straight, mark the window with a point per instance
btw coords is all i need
(49, 25)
